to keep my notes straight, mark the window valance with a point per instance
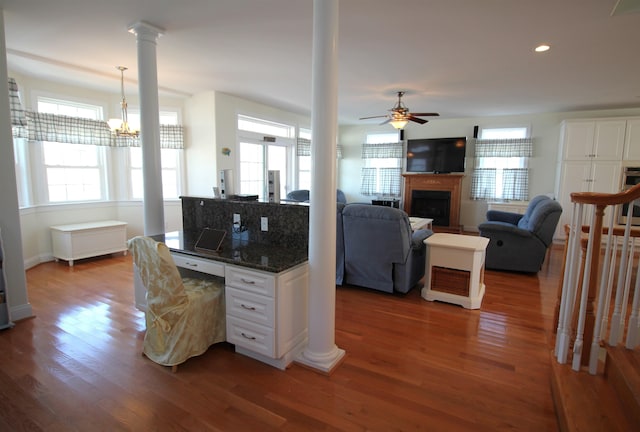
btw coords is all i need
(77, 130)
(515, 147)
(383, 150)
(65, 129)
(303, 148)
(18, 114)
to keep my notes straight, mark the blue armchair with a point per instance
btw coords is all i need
(519, 242)
(380, 250)
(302, 195)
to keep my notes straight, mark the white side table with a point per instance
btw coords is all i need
(455, 269)
(420, 223)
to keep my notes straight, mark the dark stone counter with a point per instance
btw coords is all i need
(239, 251)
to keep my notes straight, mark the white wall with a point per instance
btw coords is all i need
(200, 152)
(545, 130)
(227, 108)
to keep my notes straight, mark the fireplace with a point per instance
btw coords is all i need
(431, 204)
(438, 198)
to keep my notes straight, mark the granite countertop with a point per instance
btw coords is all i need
(237, 251)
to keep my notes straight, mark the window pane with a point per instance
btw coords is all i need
(251, 169)
(381, 138)
(503, 133)
(266, 127)
(170, 173)
(136, 183)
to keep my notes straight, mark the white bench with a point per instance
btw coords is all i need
(89, 239)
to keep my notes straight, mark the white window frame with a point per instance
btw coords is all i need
(265, 133)
(171, 160)
(380, 138)
(41, 187)
(504, 132)
(303, 164)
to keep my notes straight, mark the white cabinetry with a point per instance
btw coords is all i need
(591, 155)
(632, 140)
(593, 139)
(267, 313)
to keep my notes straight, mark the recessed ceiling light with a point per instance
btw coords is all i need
(542, 48)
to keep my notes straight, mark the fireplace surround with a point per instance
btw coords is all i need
(433, 192)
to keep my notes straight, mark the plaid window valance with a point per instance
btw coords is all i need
(65, 129)
(384, 150)
(517, 147)
(77, 130)
(171, 137)
(303, 148)
(18, 113)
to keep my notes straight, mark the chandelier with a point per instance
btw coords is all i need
(120, 127)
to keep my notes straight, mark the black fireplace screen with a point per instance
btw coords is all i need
(435, 205)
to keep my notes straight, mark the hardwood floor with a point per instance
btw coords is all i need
(411, 365)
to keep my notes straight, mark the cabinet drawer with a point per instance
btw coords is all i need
(250, 280)
(250, 335)
(198, 264)
(249, 306)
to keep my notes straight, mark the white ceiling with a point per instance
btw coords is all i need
(461, 58)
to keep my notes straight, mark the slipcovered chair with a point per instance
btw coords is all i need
(380, 250)
(184, 316)
(520, 242)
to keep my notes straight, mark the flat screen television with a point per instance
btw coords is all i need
(436, 155)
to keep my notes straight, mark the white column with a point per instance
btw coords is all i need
(153, 203)
(13, 264)
(321, 352)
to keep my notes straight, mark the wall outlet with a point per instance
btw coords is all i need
(264, 223)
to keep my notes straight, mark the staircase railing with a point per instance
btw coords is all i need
(594, 307)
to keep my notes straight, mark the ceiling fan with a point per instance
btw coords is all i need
(400, 115)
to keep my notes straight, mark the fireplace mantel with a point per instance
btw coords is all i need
(436, 182)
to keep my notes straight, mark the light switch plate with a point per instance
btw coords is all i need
(264, 223)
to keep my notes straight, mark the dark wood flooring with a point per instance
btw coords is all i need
(410, 365)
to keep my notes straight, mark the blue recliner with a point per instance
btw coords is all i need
(519, 242)
(380, 250)
(302, 195)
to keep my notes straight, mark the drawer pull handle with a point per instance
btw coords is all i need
(244, 306)
(247, 337)
(191, 264)
(247, 281)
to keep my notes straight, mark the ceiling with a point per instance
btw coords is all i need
(461, 58)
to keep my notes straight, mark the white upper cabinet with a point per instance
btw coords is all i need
(593, 139)
(632, 140)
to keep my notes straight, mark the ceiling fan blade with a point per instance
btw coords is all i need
(424, 114)
(386, 121)
(416, 119)
(380, 116)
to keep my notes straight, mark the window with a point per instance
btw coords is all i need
(263, 146)
(382, 172)
(73, 172)
(304, 160)
(501, 166)
(170, 160)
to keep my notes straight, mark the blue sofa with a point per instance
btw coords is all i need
(519, 242)
(376, 248)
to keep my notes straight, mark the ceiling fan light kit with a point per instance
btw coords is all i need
(400, 115)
